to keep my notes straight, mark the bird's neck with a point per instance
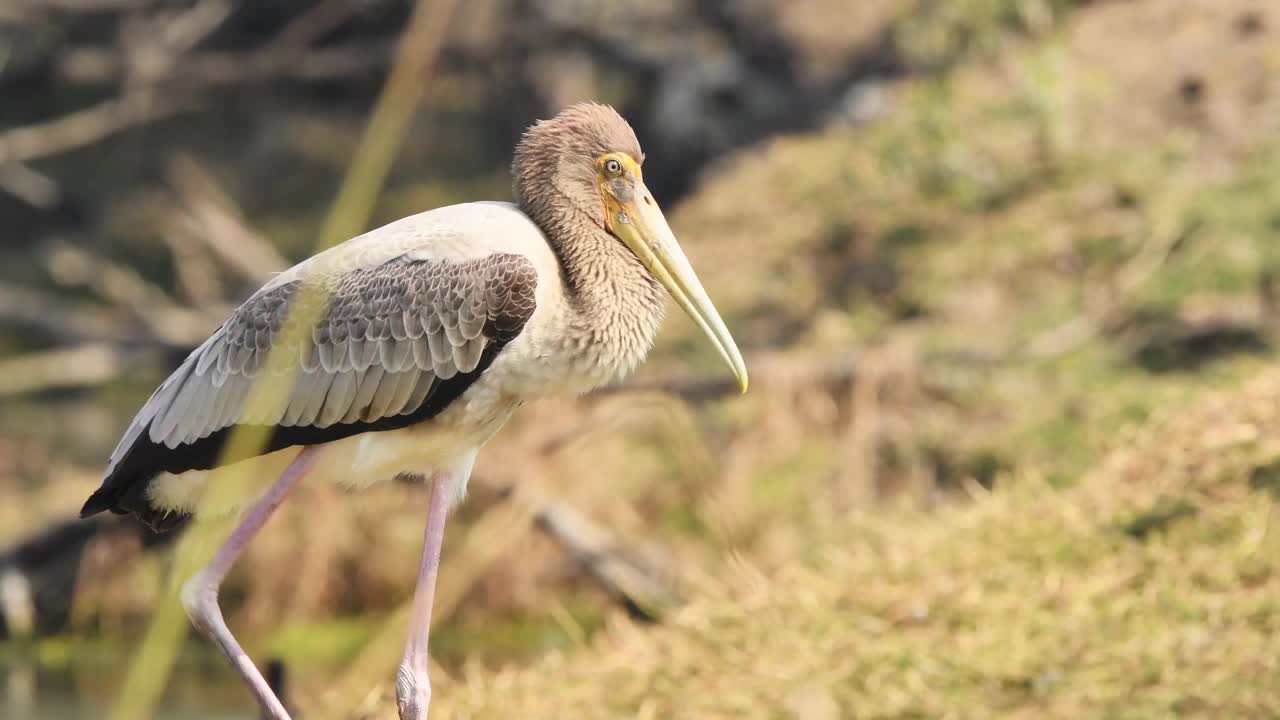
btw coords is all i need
(614, 304)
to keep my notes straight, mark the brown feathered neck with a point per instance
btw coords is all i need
(555, 183)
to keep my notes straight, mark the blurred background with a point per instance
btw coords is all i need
(1004, 271)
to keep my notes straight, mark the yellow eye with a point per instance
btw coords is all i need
(613, 167)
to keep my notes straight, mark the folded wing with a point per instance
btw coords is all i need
(386, 346)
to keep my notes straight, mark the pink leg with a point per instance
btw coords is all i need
(200, 593)
(413, 687)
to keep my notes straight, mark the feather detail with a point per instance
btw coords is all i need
(467, 355)
(338, 401)
(405, 383)
(364, 394)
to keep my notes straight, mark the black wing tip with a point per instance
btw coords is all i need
(157, 520)
(98, 502)
(124, 488)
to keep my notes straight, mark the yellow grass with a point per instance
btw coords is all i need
(1149, 590)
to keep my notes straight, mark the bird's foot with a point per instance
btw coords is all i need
(413, 693)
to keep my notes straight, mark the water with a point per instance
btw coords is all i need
(196, 691)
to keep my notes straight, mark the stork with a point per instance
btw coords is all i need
(426, 335)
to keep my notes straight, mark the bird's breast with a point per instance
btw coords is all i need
(563, 359)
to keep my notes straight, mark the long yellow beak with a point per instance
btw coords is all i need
(636, 219)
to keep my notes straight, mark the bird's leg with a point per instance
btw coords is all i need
(413, 687)
(200, 593)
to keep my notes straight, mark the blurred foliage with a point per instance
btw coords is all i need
(938, 32)
(1040, 252)
(1044, 490)
(1028, 602)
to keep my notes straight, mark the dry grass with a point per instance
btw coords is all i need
(1149, 590)
(1041, 250)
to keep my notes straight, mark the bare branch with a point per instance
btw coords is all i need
(288, 54)
(197, 273)
(34, 188)
(26, 10)
(155, 43)
(205, 69)
(81, 366)
(185, 30)
(125, 288)
(315, 23)
(82, 5)
(60, 320)
(212, 217)
(156, 53)
(86, 127)
(620, 569)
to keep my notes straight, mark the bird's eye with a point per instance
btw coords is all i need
(613, 167)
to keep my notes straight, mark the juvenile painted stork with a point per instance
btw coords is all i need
(430, 331)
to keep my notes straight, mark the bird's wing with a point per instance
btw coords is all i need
(397, 339)
(390, 335)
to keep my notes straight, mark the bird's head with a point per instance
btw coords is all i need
(586, 163)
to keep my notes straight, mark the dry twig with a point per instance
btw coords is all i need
(622, 571)
(59, 319)
(28, 185)
(122, 287)
(213, 218)
(84, 365)
(86, 127)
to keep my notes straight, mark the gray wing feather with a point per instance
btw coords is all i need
(397, 388)
(426, 380)
(467, 355)
(389, 334)
(307, 383)
(470, 320)
(380, 405)
(339, 399)
(453, 334)
(198, 417)
(396, 327)
(363, 353)
(309, 359)
(206, 360)
(421, 352)
(314, 402)
(330, 351)
(175, 405)
(441, 350)
(405, 382)
(446, 370)
(229, 406)
(369, 381)
(402, 357)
